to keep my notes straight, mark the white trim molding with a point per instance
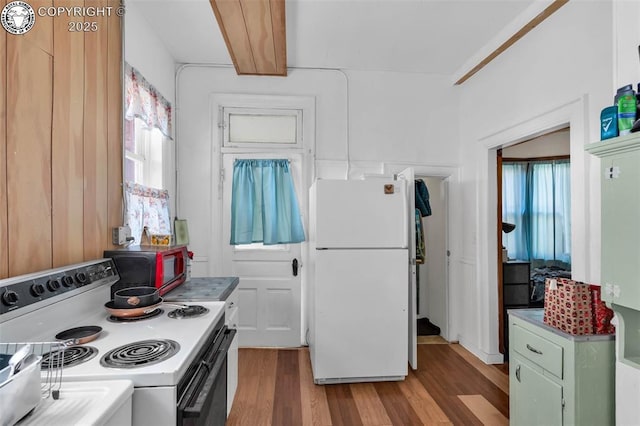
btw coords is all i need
(585, 254)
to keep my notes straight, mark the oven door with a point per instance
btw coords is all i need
(204, 400)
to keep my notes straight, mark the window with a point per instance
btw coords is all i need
(264, 204)
(143, 154)
(147, 128)
(263, 128)
(536, 197)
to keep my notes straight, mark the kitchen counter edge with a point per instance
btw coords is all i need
(229, 284)
(536, 317)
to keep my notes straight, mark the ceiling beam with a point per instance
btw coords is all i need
(255, 34)
(539, 17)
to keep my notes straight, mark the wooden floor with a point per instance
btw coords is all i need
(451, 386)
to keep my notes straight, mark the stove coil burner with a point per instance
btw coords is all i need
(140, 354)
(71, 356)
(152, 314)
(188, 312)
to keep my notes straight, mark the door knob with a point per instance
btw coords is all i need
(294, 267)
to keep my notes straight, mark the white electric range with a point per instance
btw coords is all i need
(176, 364)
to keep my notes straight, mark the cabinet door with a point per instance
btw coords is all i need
(534, 399)
(620, 230)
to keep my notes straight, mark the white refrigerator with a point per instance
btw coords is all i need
(359, 272)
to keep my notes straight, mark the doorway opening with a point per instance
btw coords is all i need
(585, 256)
(432, 271)
(534, 221)
(271, 289)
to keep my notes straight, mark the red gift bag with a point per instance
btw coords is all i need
(568, 306)
(602, 315)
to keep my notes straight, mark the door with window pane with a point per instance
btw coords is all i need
(270, 284)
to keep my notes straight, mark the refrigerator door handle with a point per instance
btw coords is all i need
(294, 266)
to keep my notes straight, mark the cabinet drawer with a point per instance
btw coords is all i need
(516, 272)
(541, 351)
(516, 294)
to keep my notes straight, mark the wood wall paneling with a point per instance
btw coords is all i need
(67, 142)
(95, 138)
(115, 113)
(4, 252)
(257, 17)
(60, 140)
(29, 71)
(231, 21)
(41, 33)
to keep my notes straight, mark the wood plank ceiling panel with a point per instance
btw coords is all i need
(231, 21)
(257, 18)
(255, 34)
(278, 22)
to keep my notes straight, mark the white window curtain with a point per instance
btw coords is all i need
(143, 101)
(148, 207)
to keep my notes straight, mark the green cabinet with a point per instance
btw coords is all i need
(620, 199)
(556, 378)
(542, 396)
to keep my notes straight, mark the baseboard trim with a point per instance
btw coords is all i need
(487, 358)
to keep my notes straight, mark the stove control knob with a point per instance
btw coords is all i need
(81, 277)
(37, 290)
(10, 298)
(53, 285)
(67, 281)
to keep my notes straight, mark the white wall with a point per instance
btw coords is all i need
(549, 145)
(389, 119)
(560, 72)
(402, 117)
(144, 51)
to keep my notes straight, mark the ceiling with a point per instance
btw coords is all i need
(425, 36)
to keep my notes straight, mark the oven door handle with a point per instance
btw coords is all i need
(197, 399)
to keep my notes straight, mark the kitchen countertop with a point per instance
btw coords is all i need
(536, 317)
(203, 289)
